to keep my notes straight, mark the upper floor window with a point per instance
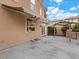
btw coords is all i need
(33, 1)
(40, 11)
(33, 6)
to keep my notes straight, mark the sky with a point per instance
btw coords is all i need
(61, 9)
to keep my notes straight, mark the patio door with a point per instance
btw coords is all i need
(42, 30)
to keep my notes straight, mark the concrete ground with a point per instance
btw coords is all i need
(49, 47)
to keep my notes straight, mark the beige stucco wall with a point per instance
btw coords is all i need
(12, 29)
(12, 24)
(10, 3)
(26, 4)
(40, 6)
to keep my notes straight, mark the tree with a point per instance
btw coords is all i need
(76, 28)
(64, 29)
(51, 30)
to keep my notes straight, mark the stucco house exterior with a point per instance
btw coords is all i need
(73, 19)
(70, 22)
(58, 25)
(20, 21)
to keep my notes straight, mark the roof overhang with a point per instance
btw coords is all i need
(26, 13)
(14, 8)
(21, 11)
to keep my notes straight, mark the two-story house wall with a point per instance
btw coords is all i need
(20, 21)
(43, 20)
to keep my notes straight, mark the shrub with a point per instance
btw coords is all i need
(64, 29)
(76, 28)
(51, 30)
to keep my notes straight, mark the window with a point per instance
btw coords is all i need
(33, 6)
(40, 11)
(30, 25)
(16, 0)
(33, 1)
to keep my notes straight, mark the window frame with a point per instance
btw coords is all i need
(30, 25)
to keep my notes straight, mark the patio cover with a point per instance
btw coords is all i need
(21, 11)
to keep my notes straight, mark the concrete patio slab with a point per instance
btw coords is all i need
(49, 47)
